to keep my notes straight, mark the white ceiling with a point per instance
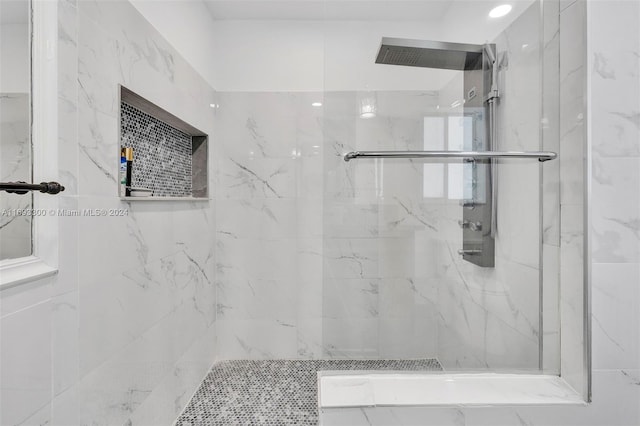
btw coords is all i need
(353, 10)
(344, 10)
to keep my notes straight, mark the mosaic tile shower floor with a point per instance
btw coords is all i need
(273, 392)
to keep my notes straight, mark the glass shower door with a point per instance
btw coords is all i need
(399, 281)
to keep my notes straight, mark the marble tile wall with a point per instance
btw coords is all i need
(337, 259)
(573, 152)
(614, 79)
(612, 68)
(126, 331)
(381, 234)
(489, 317)
(307, 265)
(550, 185)
(269, 162)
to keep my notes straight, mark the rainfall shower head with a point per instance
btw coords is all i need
(429, 54)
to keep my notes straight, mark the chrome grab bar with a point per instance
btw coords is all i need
(470, 155)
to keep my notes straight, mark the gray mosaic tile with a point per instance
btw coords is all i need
(162, 154)
(273, 392)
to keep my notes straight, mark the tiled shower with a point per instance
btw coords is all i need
(298, 261)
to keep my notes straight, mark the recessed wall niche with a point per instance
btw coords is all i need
(170, 160)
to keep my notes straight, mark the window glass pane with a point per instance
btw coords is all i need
(15, 127)
(455, 181)
(433, 133)
(433, 184)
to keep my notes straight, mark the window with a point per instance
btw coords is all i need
(452, 181)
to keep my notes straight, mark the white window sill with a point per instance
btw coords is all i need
(18, 271)
(337, 390)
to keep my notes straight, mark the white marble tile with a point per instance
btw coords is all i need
(572, 327)
(351, 299)
(572, 154)
(396, 298)
(310, 176)
(310, 217)
(615, 403)
(613, 58)
(67, 51)
(309, 279)
(64, 341)
(97, 136)
(242, 259)
(398, 339)
(572, 114)
(256, 339)
(65, 409)
(165, 403)
(395, 130)
(441, 389)
(550, 125)
(25, 365)
(396, 257)
(406, 215)
(518, 213)
(550, 309)
(519, 79)
(109, 393)
(309, 334)
(116, 309)
(127, 248)
(268, 218)
(472, 335)
(146, 280)
(256, 178)
(345, 218)
(68, 153)
(350, 338)
(351, 258)
(258, 125)
(616, 209)
(67, 277)
(256, 299)
(616, 316)
(427, 255)
(41, 418)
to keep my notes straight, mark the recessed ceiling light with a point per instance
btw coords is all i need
(500, 11)
(317, 104)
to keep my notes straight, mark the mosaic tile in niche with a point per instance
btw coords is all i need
(162, 154)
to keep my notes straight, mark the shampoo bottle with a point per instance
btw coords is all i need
(123, 172)
(129, 156)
